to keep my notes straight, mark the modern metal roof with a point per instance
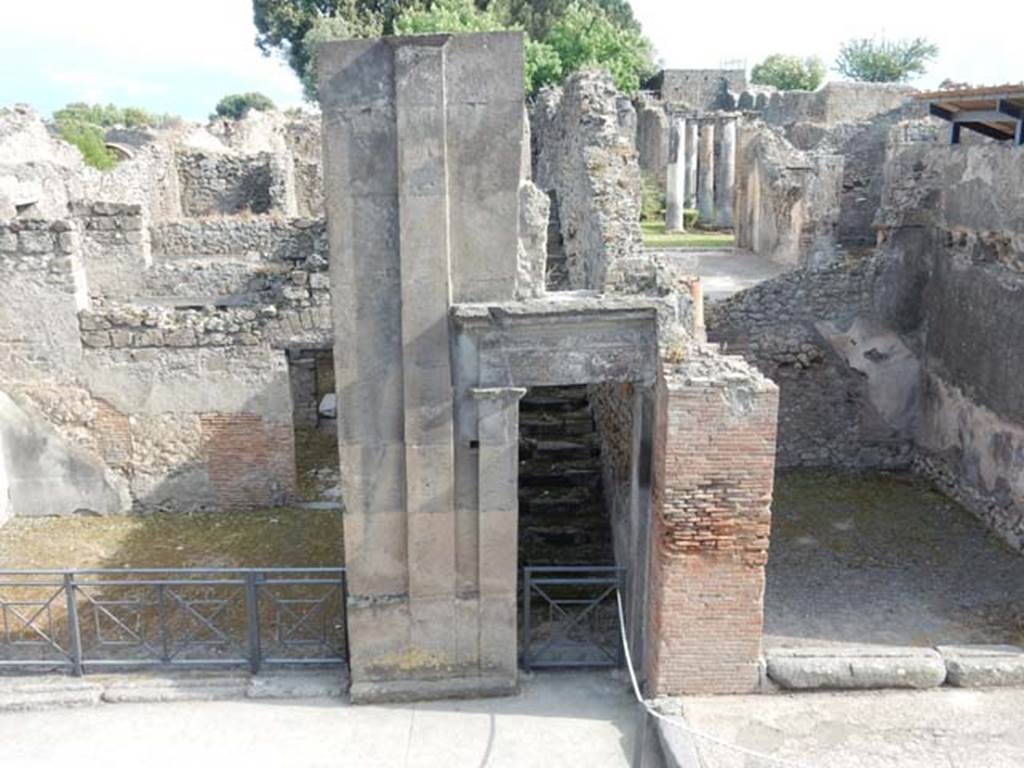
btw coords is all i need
(994, 111)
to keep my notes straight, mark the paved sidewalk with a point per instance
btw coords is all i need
(939, 728)
(559, 719)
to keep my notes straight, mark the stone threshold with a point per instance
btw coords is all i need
(873, 667)
(53, 691)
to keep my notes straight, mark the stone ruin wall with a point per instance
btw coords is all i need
(183, 277)
(583, 151)
(807, 185)
(907, 356)
(952, 225)
(718, 414)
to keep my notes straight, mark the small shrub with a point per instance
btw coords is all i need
(111, 115)
(236, 105)
(689, 218)
(90, 141)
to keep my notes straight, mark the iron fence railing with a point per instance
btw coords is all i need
(570, 617)
(85, 620)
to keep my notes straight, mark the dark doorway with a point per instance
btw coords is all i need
(316, 433)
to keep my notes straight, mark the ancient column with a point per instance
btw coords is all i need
(675, 188)
(691, 164)
(498, 468)
(725, 173)
(706, 174)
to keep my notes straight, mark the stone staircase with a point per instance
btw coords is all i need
(562, 514)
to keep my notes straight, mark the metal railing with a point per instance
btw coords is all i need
(84, 620)
(570, 617)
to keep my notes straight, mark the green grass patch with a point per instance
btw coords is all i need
(258, 538)
(656, 237)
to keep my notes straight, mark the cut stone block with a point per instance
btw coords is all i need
(983, 666)
(856, 668)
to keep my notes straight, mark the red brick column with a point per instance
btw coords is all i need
(714, 460)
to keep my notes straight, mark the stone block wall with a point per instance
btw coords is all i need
(43, 286)
(115, 246)
(713, 465)
(702, 89)
(835, 103)
(267, 238)
(221, 183)
(829, 412)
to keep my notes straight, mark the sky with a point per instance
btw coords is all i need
(181, 56)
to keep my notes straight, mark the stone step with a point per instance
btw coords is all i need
(566, 506)
(562, 535)
(539, 474)
(559, 449)
(557, 429)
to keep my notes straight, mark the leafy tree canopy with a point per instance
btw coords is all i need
(561, 35)
(884, 61)
(235, 105)
(789, 73)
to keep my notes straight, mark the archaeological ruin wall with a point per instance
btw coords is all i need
(172, 303)
(951, 222)
(906, 356)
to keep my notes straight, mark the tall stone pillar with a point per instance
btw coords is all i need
(706, 173)
(417, 131)
(725, 173)
(675, 188)
(691, 164)
(498, 469)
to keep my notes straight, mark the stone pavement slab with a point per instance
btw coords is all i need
(584, 719)
(947, 727)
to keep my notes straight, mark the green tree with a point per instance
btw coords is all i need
(537, 17)
(235, 105)
(789, 73)
(282, 25)
(609, 35)
(585, 36)
(884, 61)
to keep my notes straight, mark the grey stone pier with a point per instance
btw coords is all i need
(691, 164)
(422, 147)
(706, 173)
(675, 188)
(725, 173)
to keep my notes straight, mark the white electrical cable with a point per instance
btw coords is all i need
(675, 722)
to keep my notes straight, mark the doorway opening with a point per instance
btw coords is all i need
(315, 416)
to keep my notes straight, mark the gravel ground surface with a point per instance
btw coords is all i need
(885, 559)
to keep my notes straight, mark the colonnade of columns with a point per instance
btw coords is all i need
(698, 175)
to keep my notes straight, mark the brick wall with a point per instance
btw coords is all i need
(251, 461)
(713, 469)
